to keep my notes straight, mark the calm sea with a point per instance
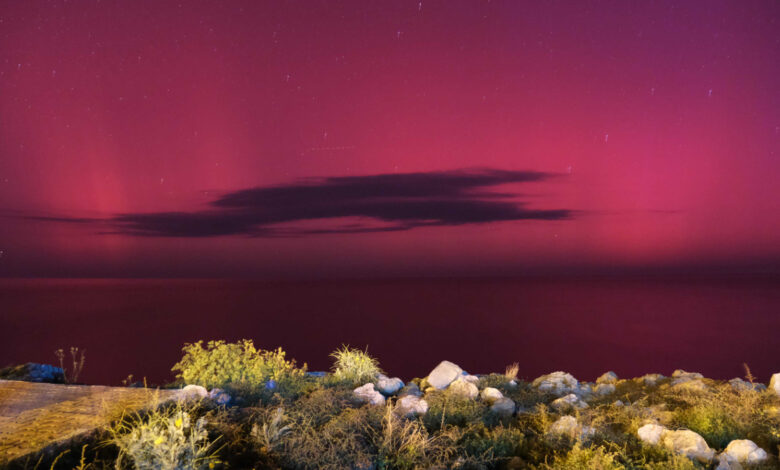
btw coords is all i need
(581, 326)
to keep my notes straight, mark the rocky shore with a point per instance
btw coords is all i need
(286, 417)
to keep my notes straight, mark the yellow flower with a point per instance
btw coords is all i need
(211, 464)
(158, 441)
(178, 422)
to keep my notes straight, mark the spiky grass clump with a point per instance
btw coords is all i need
(354, 366)
(164, 438)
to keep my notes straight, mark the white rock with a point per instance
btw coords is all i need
(651, 433)
(388, 386)
(444, 374)
(568, 426)
(367, 394)
(745, 451)
(688, 443)
(559, 383)
(503, 407)
(193, 392)
(651, 379)
(618, 403)
(604, 389)
(410, 406)
(774, 383)
(680, 376)
(463, 388)
(570, 400)
(607, 378)
(490, 394)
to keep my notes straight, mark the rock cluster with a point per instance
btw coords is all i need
(33, 372)
(693, 446)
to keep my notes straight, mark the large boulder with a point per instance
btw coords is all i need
(688, 443)
(410, 406)
(367, 394)
(503, 407)
(651, 433)
(568, 426)
(463, 388)
(742, 385)
(444, 374)
(745, 451)
(388, 386)
(607, 378)
(34, 372)
(569, 401)
(559, 383)
(774, 383)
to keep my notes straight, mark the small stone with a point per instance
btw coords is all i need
(410, 406)
(559, 383)
(367, 394)
(444, 374)
(388, 386)
(503, 407)
(651, 433)
(490, 394)
(618, 403)
(463, 388)
(745, 451)
(688, 443)
(569, 401)
(607, 378)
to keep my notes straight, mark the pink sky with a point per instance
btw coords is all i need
(659, 125)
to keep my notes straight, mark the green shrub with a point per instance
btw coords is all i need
(354, 366)
(586, 458)
(452, 410)
(711, 422)
(164, 439)
(237, 365)
(491, 445)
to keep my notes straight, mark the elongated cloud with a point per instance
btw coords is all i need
(379, 203)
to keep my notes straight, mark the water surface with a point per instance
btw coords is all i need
(631, 326)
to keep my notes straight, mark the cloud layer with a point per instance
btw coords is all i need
(374, 203)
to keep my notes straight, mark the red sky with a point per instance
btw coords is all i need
(654, 128)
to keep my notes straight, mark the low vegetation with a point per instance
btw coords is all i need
(279, 416)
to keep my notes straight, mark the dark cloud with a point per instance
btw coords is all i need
(387, 202)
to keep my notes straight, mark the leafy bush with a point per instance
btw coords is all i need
(354, 366)
(237, 365)
(164, 440)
